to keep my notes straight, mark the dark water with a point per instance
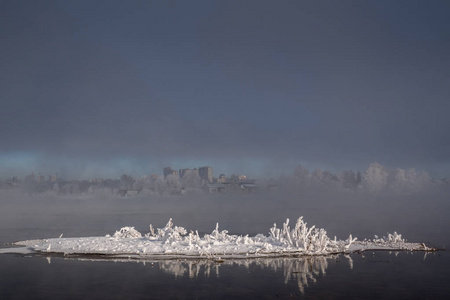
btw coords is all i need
(373, 275)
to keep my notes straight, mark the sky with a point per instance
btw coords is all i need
(101, 88)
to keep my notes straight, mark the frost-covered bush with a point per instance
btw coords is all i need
(172, 241)
(391, 238)
(127, 232)
(395, 238)
(306, 239)
(169, 233)
(300, 239)
(217, 235)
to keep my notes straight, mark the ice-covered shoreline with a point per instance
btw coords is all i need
(175, 242)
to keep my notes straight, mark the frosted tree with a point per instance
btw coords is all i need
(376, 177)
(400, 180)
(317, 177)
(140, 183)
(301, 177)
(422, 180)
(409, 180)
(191, 180)
(173, 184)
(349, 179)
(327, 178)
(126, 181)
(70, 188)
(151, 185)
(158, 185)
(301, 172)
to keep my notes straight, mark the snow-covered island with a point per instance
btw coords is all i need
(175, 242)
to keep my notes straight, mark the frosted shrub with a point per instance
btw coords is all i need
(194, 237)
(127, 232)
(349, 242)
(174, 241)
(306, 239)
(300, 239)
(169, 233)
(218, 236)
(391, 238)
(395, 238)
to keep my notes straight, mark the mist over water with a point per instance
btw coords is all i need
(378, 204)
(419, 214)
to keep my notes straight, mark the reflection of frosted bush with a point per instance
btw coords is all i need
(300, 270)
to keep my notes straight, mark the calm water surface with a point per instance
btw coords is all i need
(372, 275)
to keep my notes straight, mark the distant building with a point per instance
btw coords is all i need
(52, 178)
(222, 178)
(248, 187)
(40, 178)
(128, 193)
(30, 177)
(96, 180)
(206, 174)
(168, 171)
(215, 187)
(184, 172)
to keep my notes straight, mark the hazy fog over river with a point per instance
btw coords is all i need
(416, 207)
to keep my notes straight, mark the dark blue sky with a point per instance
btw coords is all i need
(101, 88)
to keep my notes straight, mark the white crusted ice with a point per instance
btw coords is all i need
(174, 241)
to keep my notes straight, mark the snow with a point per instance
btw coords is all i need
(175, 242)
(16, 250)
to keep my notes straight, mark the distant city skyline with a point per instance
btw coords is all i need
(210, 172)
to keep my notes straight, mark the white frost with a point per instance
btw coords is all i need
(127, 232)
(174, 241)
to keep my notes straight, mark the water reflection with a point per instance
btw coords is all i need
(302, 270)
(367, 275)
